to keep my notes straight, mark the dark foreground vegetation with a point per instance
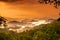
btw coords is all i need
(46, 32)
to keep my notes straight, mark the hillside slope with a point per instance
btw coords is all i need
(46, 32)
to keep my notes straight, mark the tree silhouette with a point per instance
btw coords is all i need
(55, 2)
(2, 21)
(59, 17)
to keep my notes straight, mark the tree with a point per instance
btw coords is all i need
(55, 2)
(2, 21)
(58, 18)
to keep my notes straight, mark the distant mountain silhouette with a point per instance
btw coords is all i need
(14, 22)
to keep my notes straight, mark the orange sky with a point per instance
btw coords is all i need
(16, 10)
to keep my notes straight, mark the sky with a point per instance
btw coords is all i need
(27, 9)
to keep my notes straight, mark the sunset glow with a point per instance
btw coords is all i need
(22, 11)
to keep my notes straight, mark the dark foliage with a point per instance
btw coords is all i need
(55, 2)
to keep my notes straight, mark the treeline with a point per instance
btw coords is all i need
(46, 32)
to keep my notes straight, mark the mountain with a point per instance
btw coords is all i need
(12, 19)
(14, 22)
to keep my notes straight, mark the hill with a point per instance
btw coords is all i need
(46, 32)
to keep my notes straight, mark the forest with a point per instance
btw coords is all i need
(45, 32)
